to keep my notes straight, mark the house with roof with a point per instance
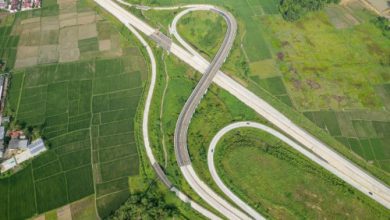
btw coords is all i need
(32, 150)
(7, 165)
(3, 4)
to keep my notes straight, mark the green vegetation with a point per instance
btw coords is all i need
(255, 164)
(146, 205)
(383, 24)
(270, 84)
(142, 182)
(84, 107)
(292, 10)
(84, 209)
(315, 68)
(213, 28)
(8, 43)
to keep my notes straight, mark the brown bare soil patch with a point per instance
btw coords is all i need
(48, 54)
(87, 31)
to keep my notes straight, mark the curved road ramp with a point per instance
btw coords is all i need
(318, 151)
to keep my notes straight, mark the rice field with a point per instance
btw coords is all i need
(83, 101)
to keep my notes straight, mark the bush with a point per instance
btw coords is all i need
(292, 10)
(148, 205)
(384, 25)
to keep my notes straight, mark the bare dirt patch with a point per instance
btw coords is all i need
(68, 34)
(104, 45)
(33, 26)
(69, 55)
(68, 19)
(84, 209)
(64, 213)
(33, 38)
(48, 54)
(67, 6)
(30, 20)
(26, 56)
(50, 23)
(86, 18)
(40, 217)
(87, 31)
(26, 62)
(49, 37)
(27, 52)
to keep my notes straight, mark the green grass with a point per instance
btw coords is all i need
(4, 198)
(254, 164)
(325, 67)
(89, 45)
(8, 42)
(84, 209)
(51, 192)
(51, 215)
(312, 65)
(21, 185)
(79, 182)
(205, 30)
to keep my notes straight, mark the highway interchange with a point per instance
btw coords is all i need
(318, 152)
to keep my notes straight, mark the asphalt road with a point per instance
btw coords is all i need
(182, 125)
(337, 164)
(145, 131)
(180, 140)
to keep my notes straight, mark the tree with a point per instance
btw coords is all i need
(147, 205)
(292, 10)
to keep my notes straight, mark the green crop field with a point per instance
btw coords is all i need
(254, 164)
(82, 99)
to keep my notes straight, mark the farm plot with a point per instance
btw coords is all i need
(8, 41)
(364, 133)
(115, 93)
(65, 101)
(76, 106)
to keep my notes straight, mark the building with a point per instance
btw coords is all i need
(8, 164)
(16, 143)
(36, 147)
(2, 133)
(3, 4)
(1, 85)
(32, 150)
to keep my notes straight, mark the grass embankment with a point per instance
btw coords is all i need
(210, 38)
(282, 183)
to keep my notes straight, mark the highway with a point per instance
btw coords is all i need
(145, 132)
(182, 125)
(247, 124)
(340, 166)
(188, 172)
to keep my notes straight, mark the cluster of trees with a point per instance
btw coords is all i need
(292, 10)
(383, 24)
(146, 205)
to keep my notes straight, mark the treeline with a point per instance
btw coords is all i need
(292, 10)
(145, 205)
